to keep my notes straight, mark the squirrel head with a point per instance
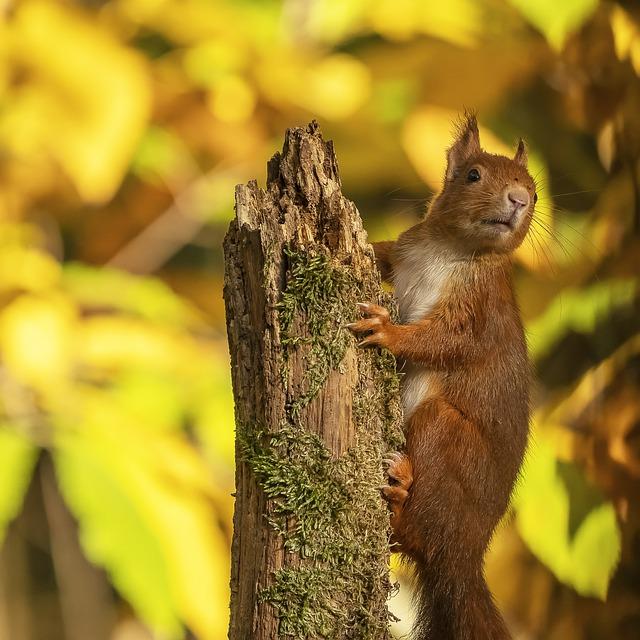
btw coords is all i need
(487, 200)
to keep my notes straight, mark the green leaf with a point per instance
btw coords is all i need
(566, 523)
(17, 459)
(577, 310)
(556, 20)
(145, 297)
(114, 533)
(162, 153)
(213, 415)
(149, 513)
(153, 399)
(596, 551)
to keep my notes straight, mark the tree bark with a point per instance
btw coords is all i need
(314, 413)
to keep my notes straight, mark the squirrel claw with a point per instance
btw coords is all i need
(371, 309)
(370, 341)
(395, 457)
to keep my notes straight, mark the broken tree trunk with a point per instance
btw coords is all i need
(314, 414)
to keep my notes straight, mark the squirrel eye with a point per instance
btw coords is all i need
(473, 175)
(535, 198)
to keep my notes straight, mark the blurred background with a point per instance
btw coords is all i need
(124, 126)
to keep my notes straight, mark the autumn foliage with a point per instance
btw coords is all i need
(124, 126)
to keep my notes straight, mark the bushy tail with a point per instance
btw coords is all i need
(456, 607)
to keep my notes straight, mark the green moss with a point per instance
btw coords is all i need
(296, 473)
(327, 510)
(315, 292)
(383, 366)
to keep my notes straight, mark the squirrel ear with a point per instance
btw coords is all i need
(466, 144)
(521, 153)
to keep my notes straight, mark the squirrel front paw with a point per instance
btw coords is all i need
(376, 321)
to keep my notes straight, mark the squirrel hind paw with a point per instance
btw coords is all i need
(399, 470)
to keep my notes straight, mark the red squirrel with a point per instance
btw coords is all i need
(465, 389)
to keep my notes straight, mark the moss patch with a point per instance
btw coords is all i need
(329, 512)
(315, 293)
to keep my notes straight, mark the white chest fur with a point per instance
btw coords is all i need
(418, 384)
(419, 279)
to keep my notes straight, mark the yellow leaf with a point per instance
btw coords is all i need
(198, 553)
(29, 269)
(232, 99)
(334, 20)
(457, 21)
(578, 310)
(556, 20)
(86, 101)
(337, 86)
(595, 381)
(112, 342)
(211, 59)
(626, 36)
(36, 337)
(114, 533)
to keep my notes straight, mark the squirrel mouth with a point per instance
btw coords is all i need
(502, 224)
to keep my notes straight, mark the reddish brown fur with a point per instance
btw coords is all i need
(466, 438)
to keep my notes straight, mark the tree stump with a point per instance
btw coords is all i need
(314, 413)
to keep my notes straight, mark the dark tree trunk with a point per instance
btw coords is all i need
(314, 414)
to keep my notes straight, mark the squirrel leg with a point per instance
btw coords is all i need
(446, 521)
(450, 502)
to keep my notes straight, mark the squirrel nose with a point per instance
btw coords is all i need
(518, 197)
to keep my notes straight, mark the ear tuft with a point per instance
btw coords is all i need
(521, 153)
(465, 145)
